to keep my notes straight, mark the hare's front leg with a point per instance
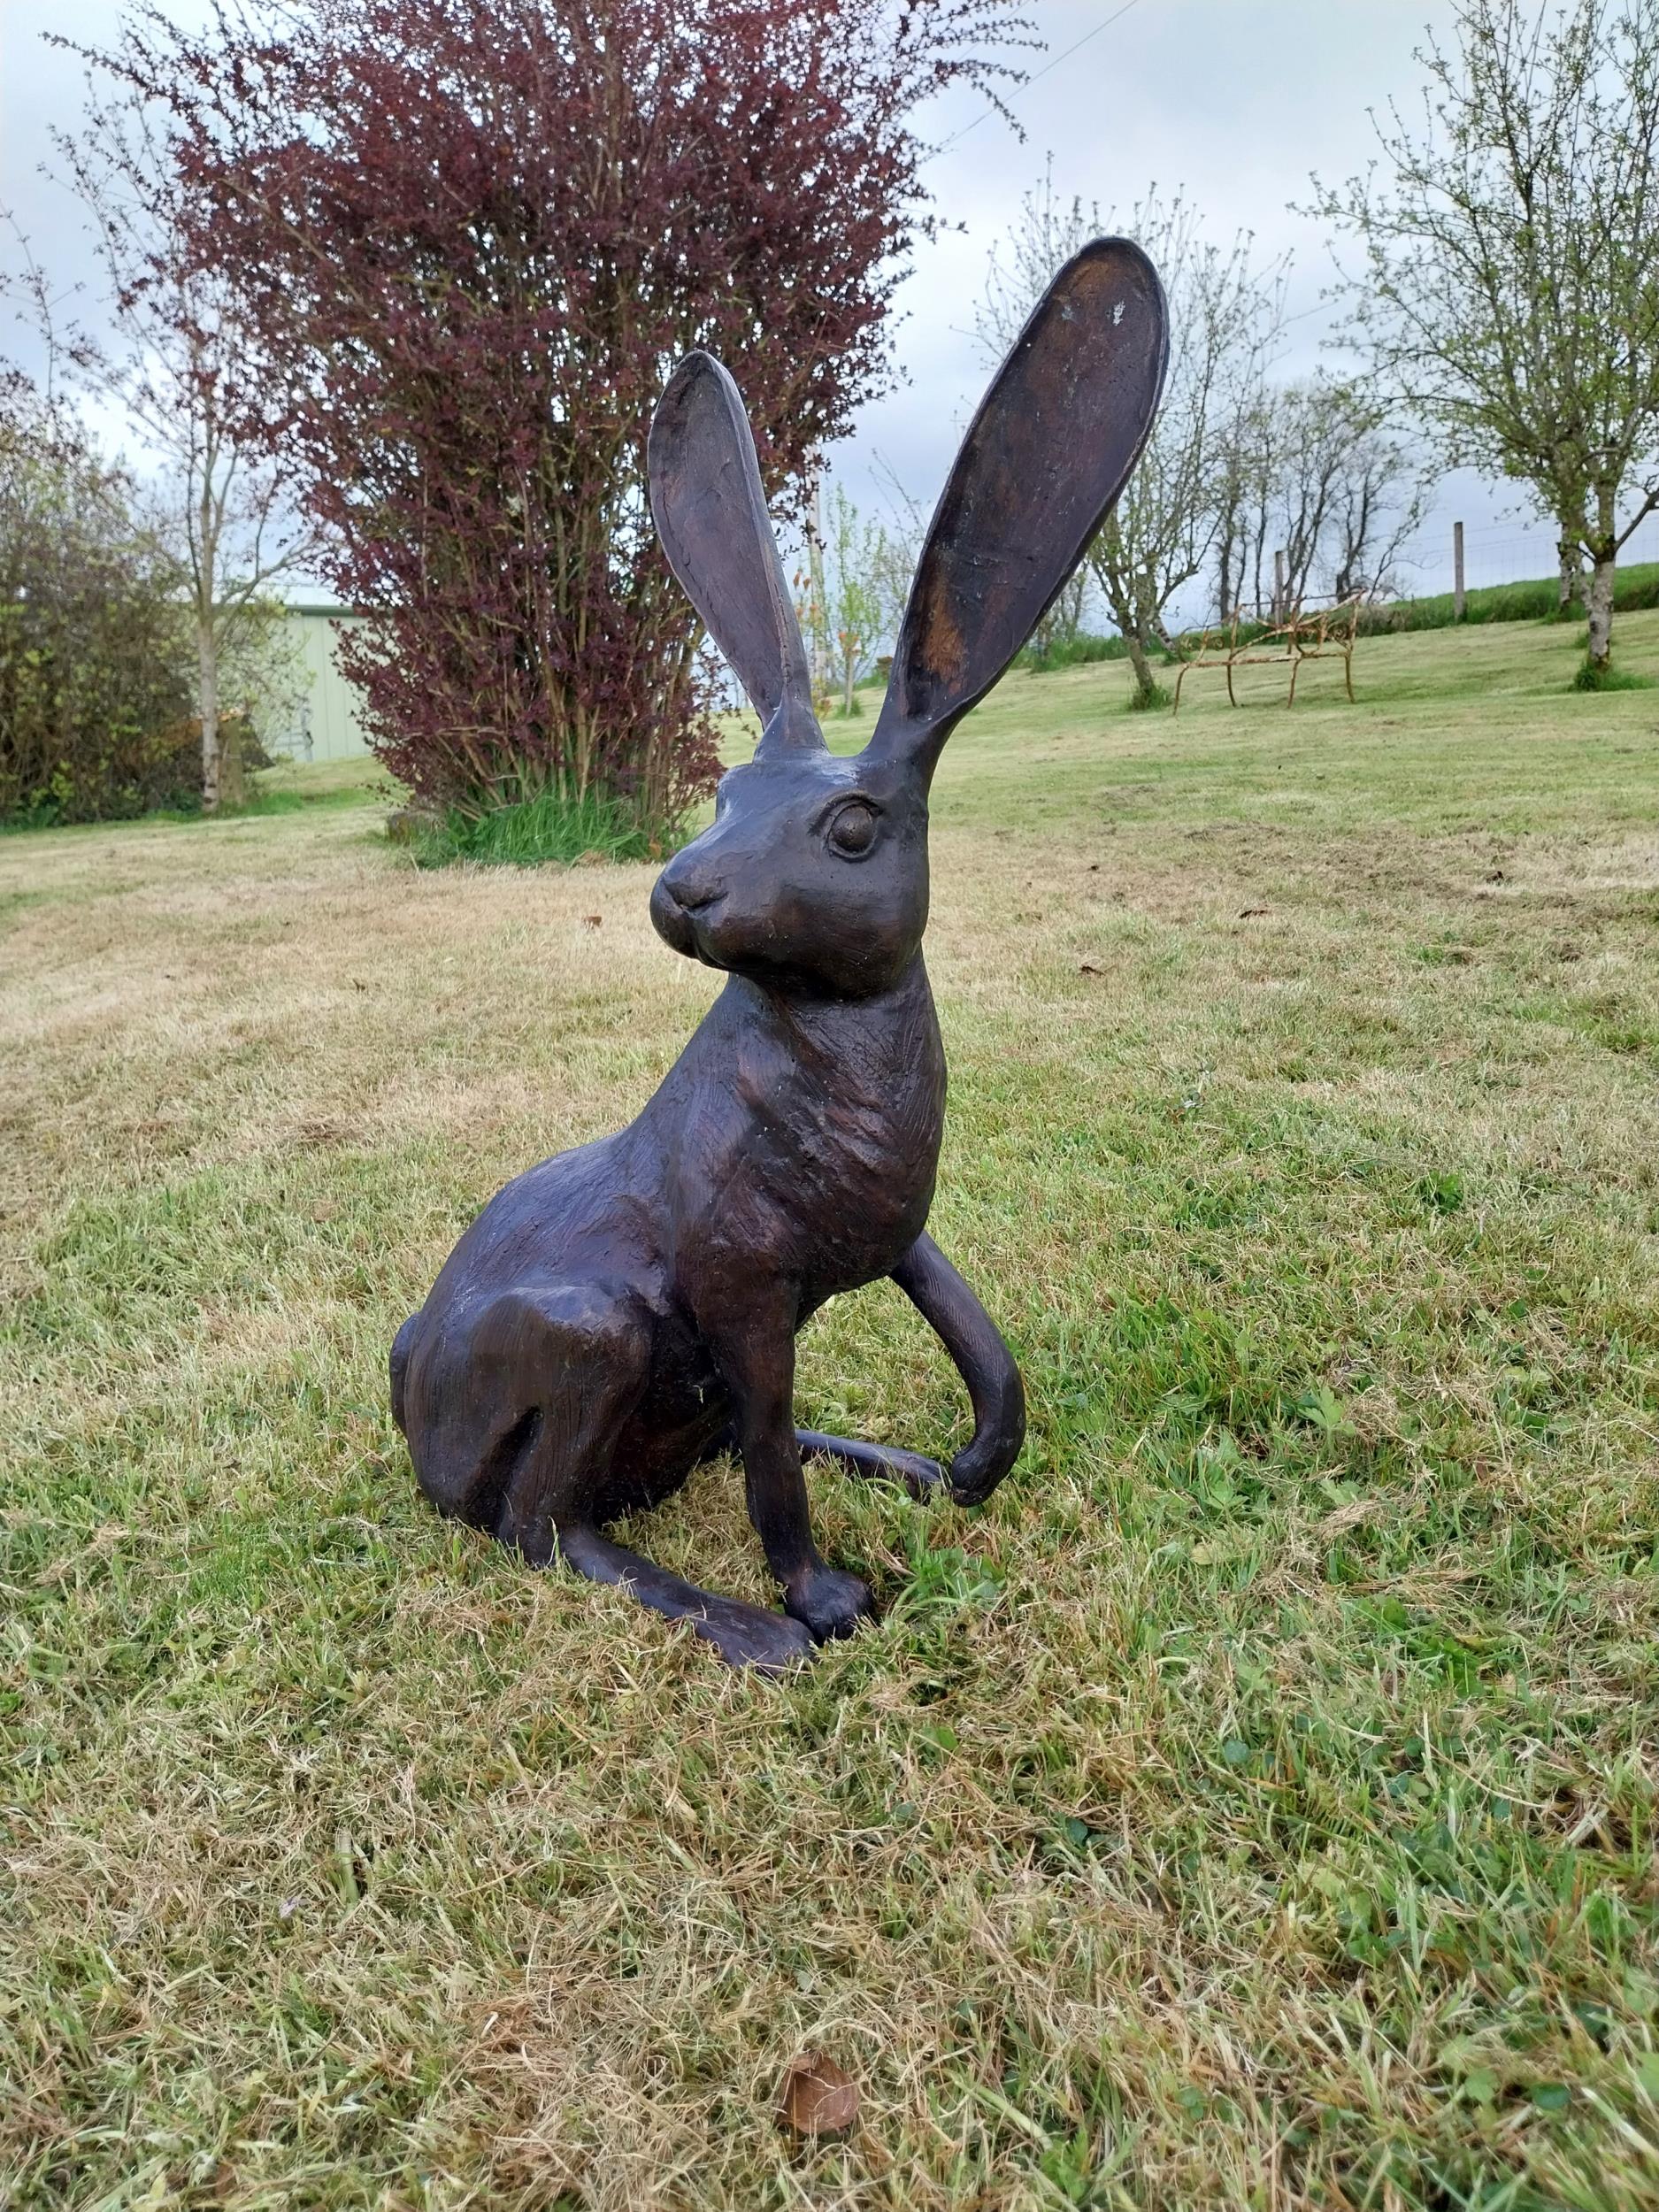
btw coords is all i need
(756, 1354)
(985, 1363)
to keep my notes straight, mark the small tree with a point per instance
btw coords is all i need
(179, 371)
(94, 703)
(1380, 496)
(1224, 318)
(855, 570)
(1319, 476)
(468, 242)
(264, 679)
(1511, 290)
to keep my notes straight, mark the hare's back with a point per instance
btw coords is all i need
(573, 1215)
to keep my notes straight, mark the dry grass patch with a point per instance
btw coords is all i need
(1254, 1807)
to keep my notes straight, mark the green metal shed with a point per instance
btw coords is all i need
(327, 726)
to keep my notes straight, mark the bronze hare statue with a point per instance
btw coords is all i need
(623, 1311)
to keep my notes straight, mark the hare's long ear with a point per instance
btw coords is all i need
(711, 517)
(1051, 449)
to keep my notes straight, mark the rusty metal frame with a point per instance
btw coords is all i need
(1322, 634)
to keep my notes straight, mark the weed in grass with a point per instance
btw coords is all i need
(1255, 1806)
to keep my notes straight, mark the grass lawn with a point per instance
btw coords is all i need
(1255, 1806)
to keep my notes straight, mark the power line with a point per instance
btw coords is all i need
(957, 136)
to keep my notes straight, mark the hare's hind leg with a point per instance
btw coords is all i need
(580, 1356)
(744, 1635)
(512, 1411)
(877, 1463)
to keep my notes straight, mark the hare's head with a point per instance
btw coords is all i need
(814, 869)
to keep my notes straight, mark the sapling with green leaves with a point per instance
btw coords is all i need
(172, 359)
(1509, 290)
(848, 607)
(1225, 314)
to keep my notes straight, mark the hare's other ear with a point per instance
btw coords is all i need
(1051, 449)
(710, 514)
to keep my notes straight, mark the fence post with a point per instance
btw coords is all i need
(1459, 597)
(1279, 586)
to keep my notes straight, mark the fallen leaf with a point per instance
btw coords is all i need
(1251, 913)
(819, 2098)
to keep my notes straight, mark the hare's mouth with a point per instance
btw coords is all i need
(701, 947)
(683, 928)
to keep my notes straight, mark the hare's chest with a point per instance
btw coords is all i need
(844, 1159)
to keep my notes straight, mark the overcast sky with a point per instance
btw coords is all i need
(1236, 100)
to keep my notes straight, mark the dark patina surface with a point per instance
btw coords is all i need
(621, 1313)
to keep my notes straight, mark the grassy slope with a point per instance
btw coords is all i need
(1254, 1807)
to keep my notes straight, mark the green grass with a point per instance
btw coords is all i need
(1255, 1806)
(1635, 590)
(1082, 651)
(535, 830)
(1588, 677)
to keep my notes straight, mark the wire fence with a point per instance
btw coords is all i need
(1499, 553)
(1494, 554)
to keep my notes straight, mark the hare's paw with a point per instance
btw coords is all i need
(829, 1602)
(749, 1636)
(875, 1462)
(974, 1473)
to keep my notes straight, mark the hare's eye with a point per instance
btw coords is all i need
(853, 830)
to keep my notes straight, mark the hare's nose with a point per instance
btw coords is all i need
(690, 892)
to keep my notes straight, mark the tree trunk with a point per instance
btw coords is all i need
(1118, 588)
(1146, 683)
(1224, 571)
(1604, 557)
(207, 702)
(1571, 580)
(1601, 655)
